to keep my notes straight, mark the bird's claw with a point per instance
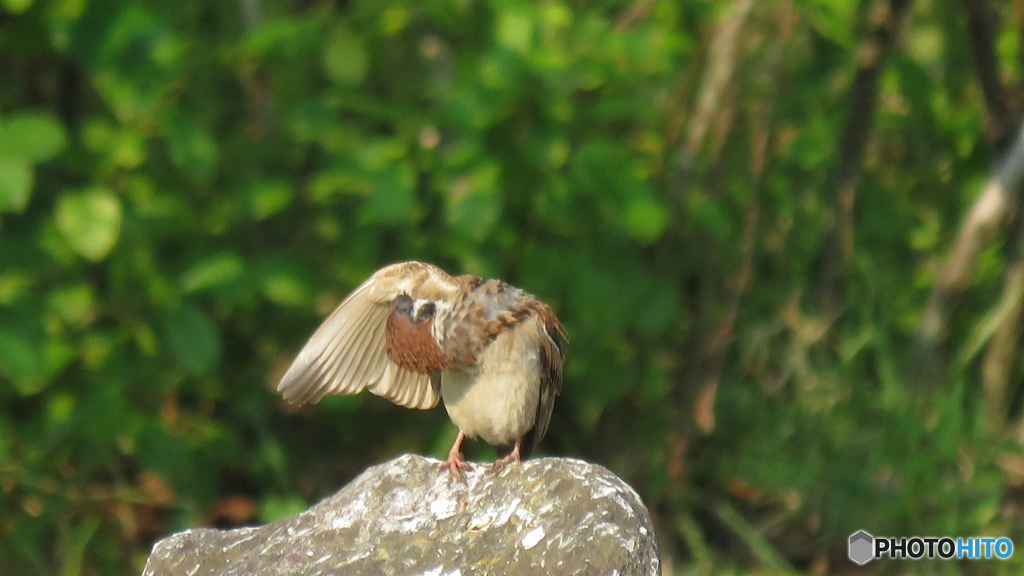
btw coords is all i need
(456, 464)
(502, 462)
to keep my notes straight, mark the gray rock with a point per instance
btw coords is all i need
(403, 517)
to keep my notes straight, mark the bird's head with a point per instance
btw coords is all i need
(416, 310)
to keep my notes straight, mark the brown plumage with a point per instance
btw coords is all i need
(410, 344)
(412, 333)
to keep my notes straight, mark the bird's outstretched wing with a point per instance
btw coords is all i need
(347, 352)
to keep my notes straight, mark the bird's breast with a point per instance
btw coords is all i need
(412, 346)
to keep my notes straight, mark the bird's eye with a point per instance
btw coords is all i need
(426, 311)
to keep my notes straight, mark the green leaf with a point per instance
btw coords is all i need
(65, 11)
(124, 147)
(163, 453)
(17, 6)
(381, 154)
(192, 338)
(269, 198)
(393, 199)
(76, 544)
(276, 507)
(15, 184)
(658, 310)
(22, 360)
(213, 271)
(338, 181)
(645, 217)
(710, 215)
(31, 137)
(284, 281)
(193, 150)
(90, 221)
(345, 59)
(472, 204)
(14, 284)
(75, 304)
(281, 35)
(597, 167)
(515, 29)
(833, 19)
(57, 353)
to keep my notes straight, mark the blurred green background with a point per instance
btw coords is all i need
(742, 211)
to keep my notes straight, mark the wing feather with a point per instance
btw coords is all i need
(552, 353)
(366, 348)
(323, 373)
(356, 362)
(347, 353)
(318, 368)
(390, 386)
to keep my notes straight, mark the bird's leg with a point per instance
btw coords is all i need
(513, 456)
(455, 461)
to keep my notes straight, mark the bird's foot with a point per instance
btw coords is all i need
(456, 464)
(513, 456)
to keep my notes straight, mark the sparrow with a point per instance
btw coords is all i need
(414, 334)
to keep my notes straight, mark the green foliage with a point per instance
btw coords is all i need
(26, 139)
(90, 221)
(187, 189)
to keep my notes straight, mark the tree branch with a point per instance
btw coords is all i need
(885, 19)
(761, 132)
(721, 62)
(990, 208)
(982, 29)
(1001, 354)
(257, 82)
